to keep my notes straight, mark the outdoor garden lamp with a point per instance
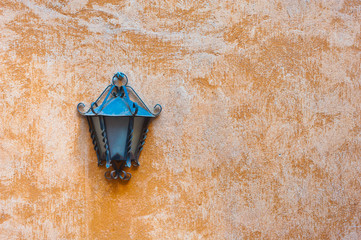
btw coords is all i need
(118, 127)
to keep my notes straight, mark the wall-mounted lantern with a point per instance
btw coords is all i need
(118, 127)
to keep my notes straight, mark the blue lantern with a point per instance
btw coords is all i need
(118, 127)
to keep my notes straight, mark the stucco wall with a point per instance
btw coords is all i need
(260, 132)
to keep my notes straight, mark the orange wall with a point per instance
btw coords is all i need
(260, 134)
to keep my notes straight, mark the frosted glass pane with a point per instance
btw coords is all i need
(137, 132)
(99, 136)
(117, 132)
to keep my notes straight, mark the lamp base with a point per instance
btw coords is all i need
(118, 171)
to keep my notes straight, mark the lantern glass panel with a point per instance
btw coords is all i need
(98, 133)
(137, 134)
(117, 132)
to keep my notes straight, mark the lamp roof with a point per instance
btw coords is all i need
(117, 102)
(118, 107)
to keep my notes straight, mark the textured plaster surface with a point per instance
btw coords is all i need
(259, 138)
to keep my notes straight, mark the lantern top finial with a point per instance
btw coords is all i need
(119, 76)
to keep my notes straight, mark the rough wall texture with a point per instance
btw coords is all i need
(260, 134)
